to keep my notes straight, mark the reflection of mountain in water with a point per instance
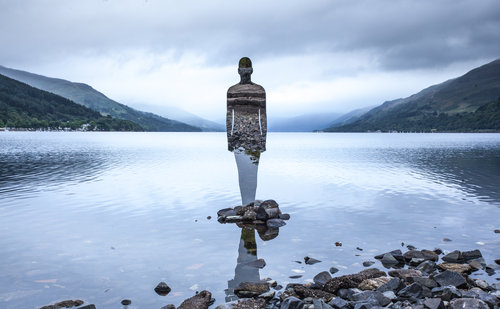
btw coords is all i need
(22, 171)
(475, 171)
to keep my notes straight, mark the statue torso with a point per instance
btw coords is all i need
(246, 112)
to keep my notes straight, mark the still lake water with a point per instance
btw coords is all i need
(107, 216)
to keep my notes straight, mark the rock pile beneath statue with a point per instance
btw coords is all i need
(263, 216)
(257, 212)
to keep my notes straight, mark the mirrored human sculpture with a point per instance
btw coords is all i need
(246, 124)
(246, 136)
(246, 120)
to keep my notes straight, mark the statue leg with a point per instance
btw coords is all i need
(248, 165)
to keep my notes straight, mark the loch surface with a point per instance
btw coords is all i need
(107, 216)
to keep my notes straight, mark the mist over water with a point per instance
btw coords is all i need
(107, 216)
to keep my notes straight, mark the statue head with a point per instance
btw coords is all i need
(245, 70)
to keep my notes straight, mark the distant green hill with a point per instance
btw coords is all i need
(23, 106)
(87, 96)
(467, 103)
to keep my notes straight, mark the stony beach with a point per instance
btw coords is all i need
(415, 279)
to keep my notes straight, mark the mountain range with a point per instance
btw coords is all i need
(26, 107)
(468, 103)
(89, 97)
(301, 123)
(183, 116)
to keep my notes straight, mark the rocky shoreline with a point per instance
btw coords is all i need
(415, 279)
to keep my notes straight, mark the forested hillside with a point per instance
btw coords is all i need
(23, 106)
(87, 96)
(464, 104)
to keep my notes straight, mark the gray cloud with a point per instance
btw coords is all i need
(399, 34)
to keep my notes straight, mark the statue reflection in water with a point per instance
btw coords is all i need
(246, 135)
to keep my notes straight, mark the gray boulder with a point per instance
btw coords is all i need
(434, 303)
(446, 292)
(453, 257)
(201, 300)
(292, 303)
(414, 290)
(320, 304)
(321, 278)
(339, 303)
(251, 289)
(469, 303)
(450, 278)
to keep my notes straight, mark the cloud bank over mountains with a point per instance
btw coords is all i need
(316, 55)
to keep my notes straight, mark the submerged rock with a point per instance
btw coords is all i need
(162, 289)
(310, 261)
(201, 300)
(321, 278)
(368, 263)
(333, 270)
(266, 233)
(64, 304)
(260, 263)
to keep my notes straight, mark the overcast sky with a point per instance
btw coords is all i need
(310, 56)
